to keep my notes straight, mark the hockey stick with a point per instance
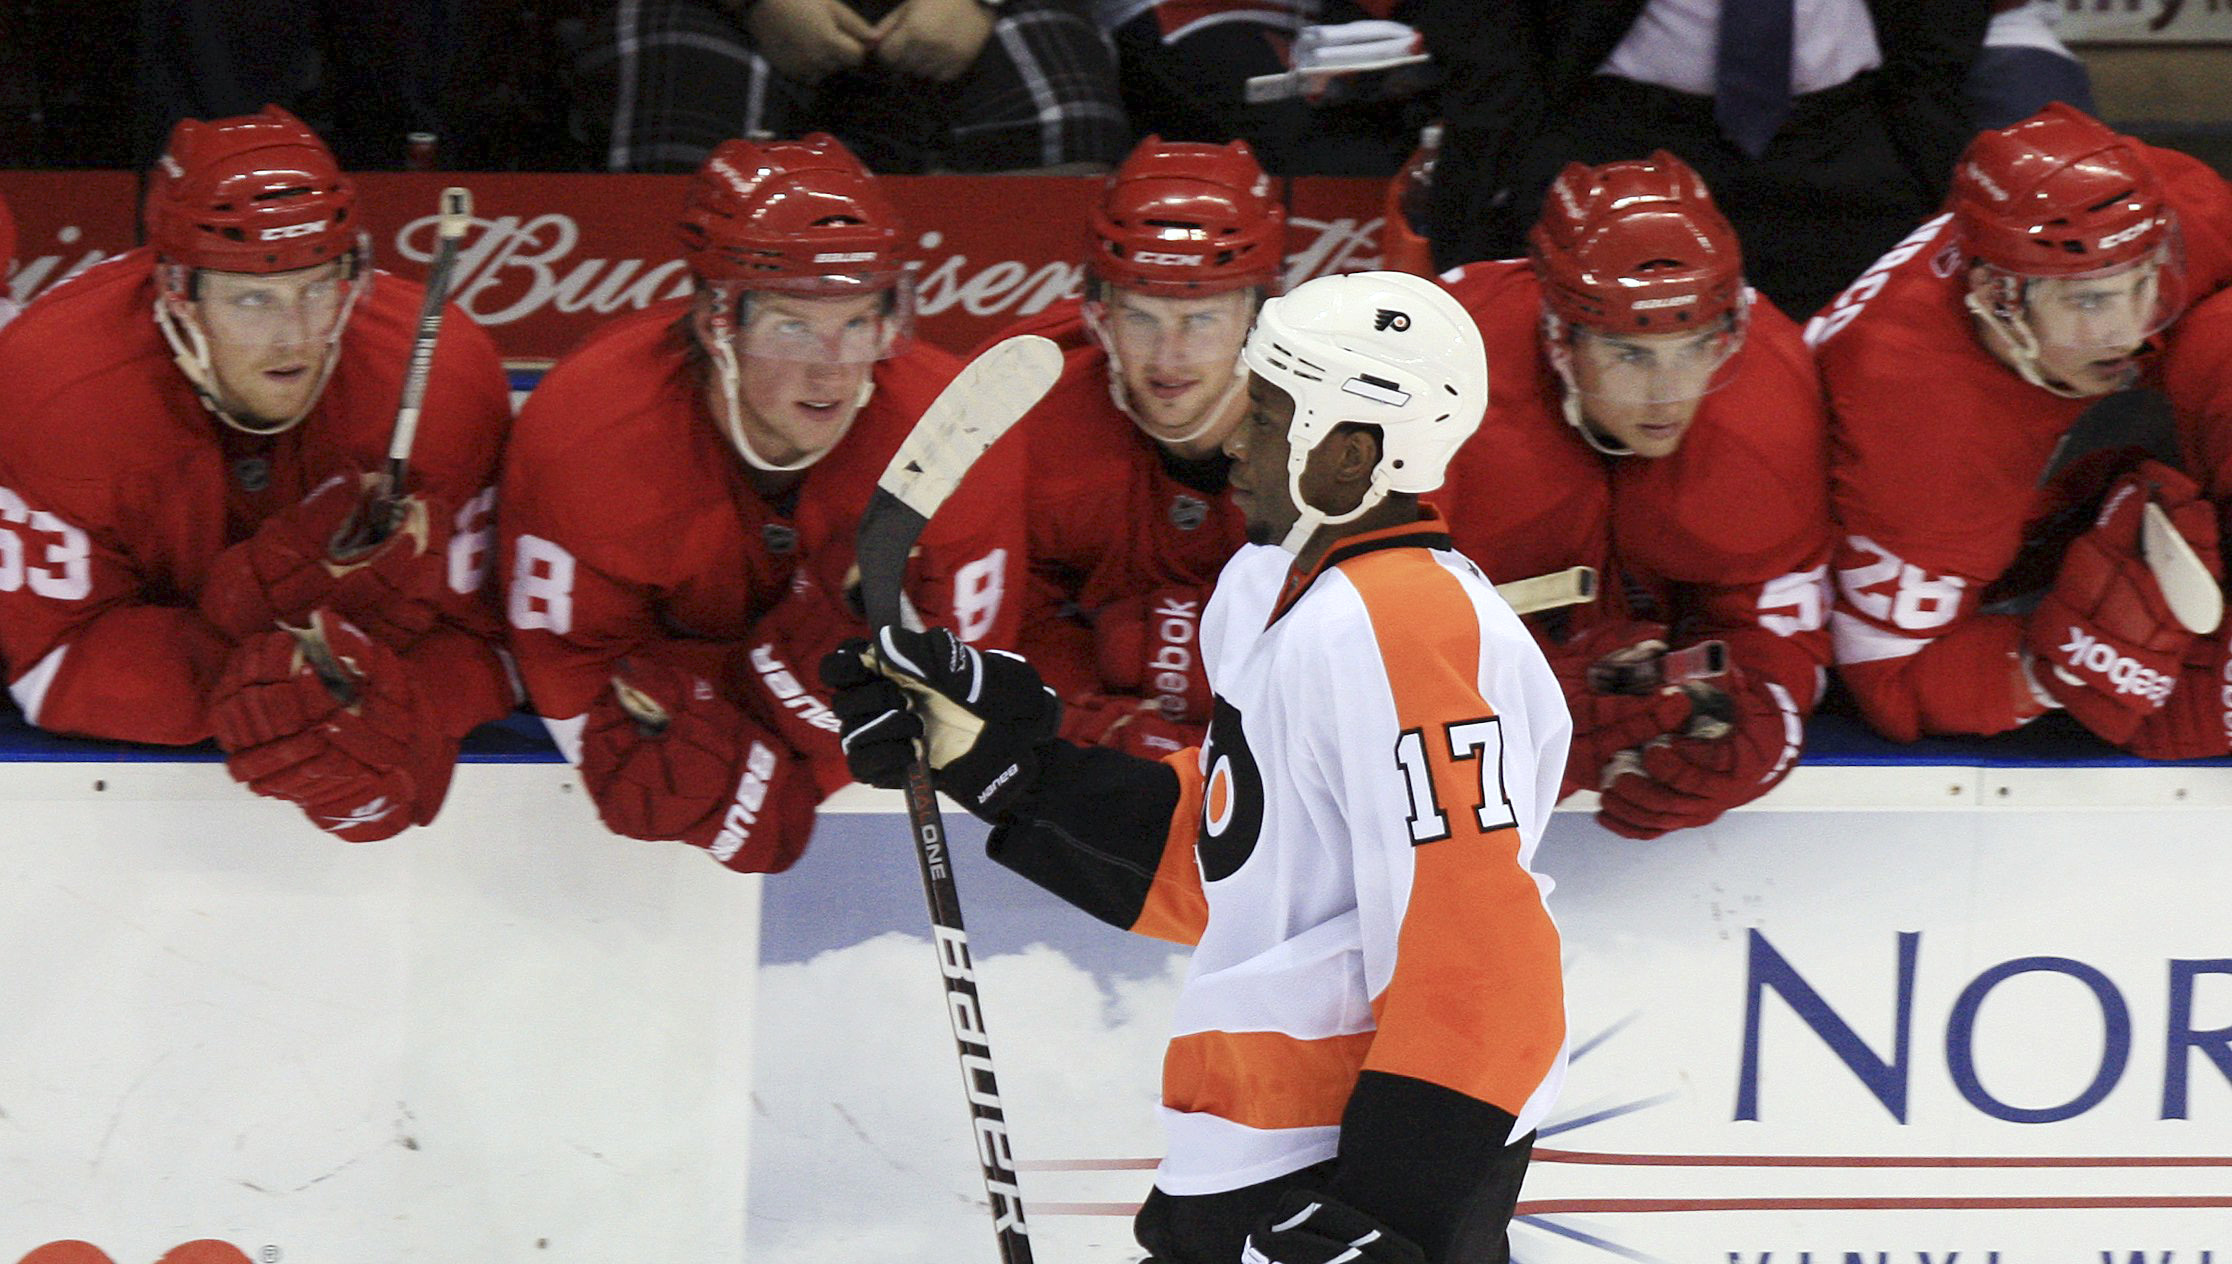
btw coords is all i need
(1572, 586)
(2192, 592)
(385, 515)
(989, 396)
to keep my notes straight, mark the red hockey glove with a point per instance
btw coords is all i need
(1132, 725)
(774, 676)
(2197, 723)
(1306, 1228)
(1150, 646)
(1742, 741)
(2106, 644)
(1604, 724)
(361, 768)
(665, 756)
(276, 575)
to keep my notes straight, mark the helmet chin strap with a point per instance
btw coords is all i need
(1122, 398)
(2021, 344)
(1569, 395)
(732, 422)
(1308, 517)
(179, 328)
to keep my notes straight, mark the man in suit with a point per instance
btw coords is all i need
(1818, 182)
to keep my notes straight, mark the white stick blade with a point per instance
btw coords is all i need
(976, 408)
(1570, 587)
(2193, 593)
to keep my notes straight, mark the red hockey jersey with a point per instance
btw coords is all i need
(630, 527)
(118, 489)
(1110, 515)
(1936, 453)
(1728, 537)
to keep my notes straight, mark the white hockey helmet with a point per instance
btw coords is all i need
(1384, 349)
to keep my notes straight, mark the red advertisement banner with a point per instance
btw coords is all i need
(549, 256)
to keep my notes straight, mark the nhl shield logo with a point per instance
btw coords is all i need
(253, 473)
(1188, 512)
(781, 540)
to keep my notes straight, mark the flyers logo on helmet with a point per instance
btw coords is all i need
(1231, 798)
(201, 1251)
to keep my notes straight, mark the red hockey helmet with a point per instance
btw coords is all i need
(1180, 219)
(798, 215)
(2058, 194)
(256, 193)
(1636, 247)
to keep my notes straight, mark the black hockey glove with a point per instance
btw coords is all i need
(1307, 1228)
(986, 714)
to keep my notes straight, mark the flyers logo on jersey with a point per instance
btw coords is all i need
(203, 1251)
(1231, 797)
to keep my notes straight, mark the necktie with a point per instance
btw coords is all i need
(1751, 77)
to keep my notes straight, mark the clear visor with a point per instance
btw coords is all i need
(1654, 368)
(858, 328)
(1175, 336)
(244, 311)
(2108, 312)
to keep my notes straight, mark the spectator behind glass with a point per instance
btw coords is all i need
(1184, 67)
(1863, 151)
(909, 85)
(2023, 66)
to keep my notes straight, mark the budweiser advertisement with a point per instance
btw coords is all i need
(549, 256)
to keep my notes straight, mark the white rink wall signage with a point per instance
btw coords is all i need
(1905, 1035)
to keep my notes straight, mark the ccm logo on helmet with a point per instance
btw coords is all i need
(293, 230)
(1679, 300)
(846, 256)
(1157, 256)
(2115, 239)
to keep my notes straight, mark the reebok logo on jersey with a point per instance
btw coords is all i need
(789, 692)
(293, 230)
(2086, 653)
(1163, 257)
(1177, 627)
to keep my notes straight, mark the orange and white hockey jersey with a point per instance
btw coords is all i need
(1348, 852)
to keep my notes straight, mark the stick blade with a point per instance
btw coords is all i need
(982, 403)
(988, 397)
(2193, 593)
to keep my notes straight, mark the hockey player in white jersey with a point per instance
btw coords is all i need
(1373, 1023)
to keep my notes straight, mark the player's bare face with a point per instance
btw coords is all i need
(2090, 328)
(802, 361)
(1177, 358)
(269, 336)
(1258, 447)
(1642, 390)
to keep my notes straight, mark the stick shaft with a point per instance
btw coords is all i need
(973, 1044)
(456, 217)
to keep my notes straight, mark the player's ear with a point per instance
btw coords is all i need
(1358, 449)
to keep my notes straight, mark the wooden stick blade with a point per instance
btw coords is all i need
(1573, 586)
(2193, 593)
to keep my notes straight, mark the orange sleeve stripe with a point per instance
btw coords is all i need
(1264, 1079)
(1476, 1003)
(1176, 909)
